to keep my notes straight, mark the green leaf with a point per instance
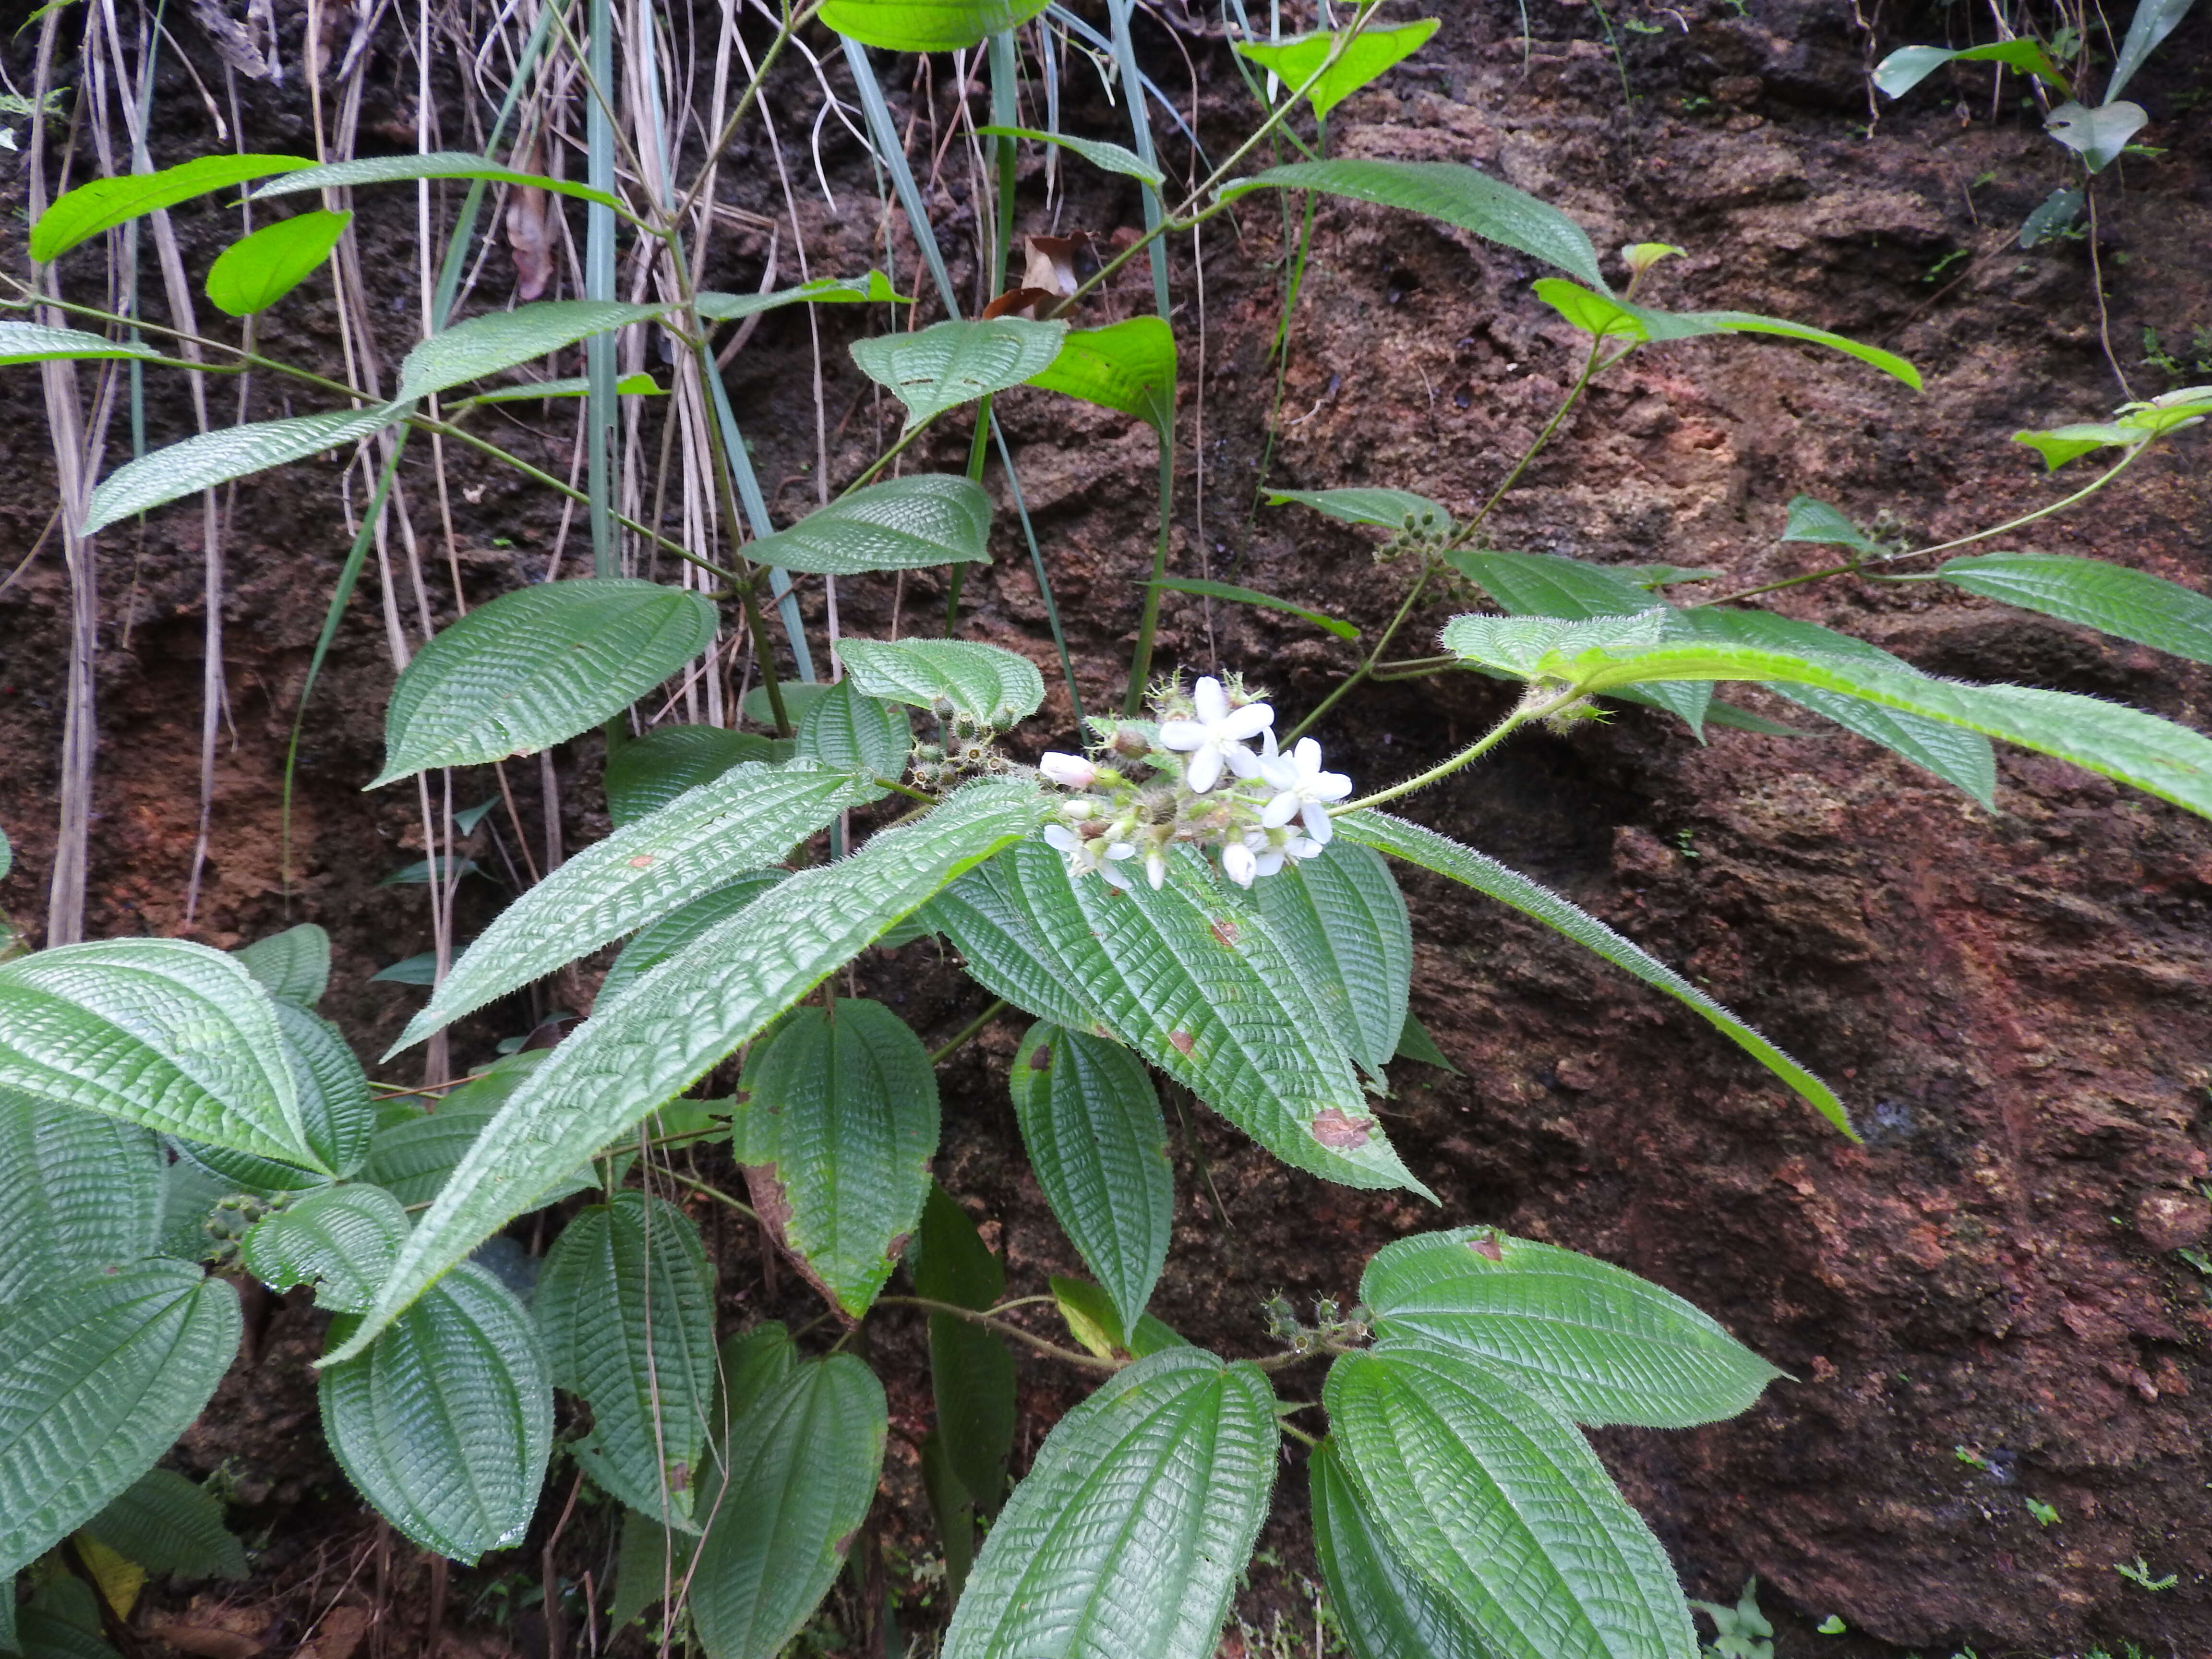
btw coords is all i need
(753, 1364)
(625, 1307)
(1386, 1609)
(1093, 1320)
(335, 1110)
(864, 737)
(985, 917)
(875, 287)
(2110, 598)
(1812, 520)
(2097, 136)
(166, 1524)
(1387, 509)
(501, 340)
(837, 1125)
(446, 1422)
(421, 968)
(648, 773)
(1127, 366)
(991, 686)
(341, 1240)
(971, 1374)
(685, 1015)
(1431, 851)
(804, 1464)
(294, 966)
(1205, 590)
(1098, 1145)
(2058, 445)
(423, 872)
(163, 1032)
(436, 164)
(62, 1619)
(1908, 66)
(1415, 1043)
(1496, 1499)
(35, 342)
(749, 816)
(1451, 192)
(948, 364)
(1342, 917)
(798, 698)
(1600, 1343)
(99, 1375)
(1111, 157)
(103, 204)
(650, 1563)
(1366, 57)
(927, 25)
(411, 1157)
(231, 451)
(78, 1189)
(657, 941)
(906, 524)
(2154, 20)
(257, 270)
(1606, 316)
(1129, 1532)
(573, 385)
(536, 666)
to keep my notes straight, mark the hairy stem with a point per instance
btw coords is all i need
(1529, 708)
(1089, 1362)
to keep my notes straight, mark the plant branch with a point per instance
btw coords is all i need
(968, 1032)
(1530, 707)
(1005, 1328)
(1367, 667)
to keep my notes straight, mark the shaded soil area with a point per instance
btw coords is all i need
(1982, 1305)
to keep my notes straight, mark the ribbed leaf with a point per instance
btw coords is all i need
(1367, 56)
(2110, 597)
(1113, 158)
(163, 1032)
(984, 916)
(434, 164)
(857, 734)
(1495, 1498)
(688, 1013)
(293, 966)
(1342, 917)
(446, 1422)
(657, 941)
(166, 1524)
(1130, 1529)
(1607, 318)
(749, 816)
(836, 1123)
(334, 1108)
(971, 1374)
(648, 773)
(1127, 366)
(99, 1375)
(983, 682)
(948, 364)
(1603, 1344)
(62, 1621)
(1387, 1609)
(103, 204)
(78, 1189)
(927, 25)
(341, 1240)
(931, 518)
(875, 287)
(491, 344)
(753, 1364)
(230, 452)
(257, 270)
(1387, 509)
(804, 1464)
(1098, 1145)
(35, 342)
(1431, 851)
(189, 1192)
(1814, 520)
(412, 1157)
(650, 1563)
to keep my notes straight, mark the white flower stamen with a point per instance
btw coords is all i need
(1304, 790)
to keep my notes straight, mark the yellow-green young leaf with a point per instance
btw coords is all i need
(657, 941)
(1093, 1320)
(491, 344)
(648, 773)
(436, 164)
(948, 364)
(971, 1374)
(1113, 158)
(1343, 918)
(163, 1032)
(2058, 445)
(837, 1124)
(1386, 1609)
(1129, 1533)
(927, 25)
(536, 666)
(231, 451)
(1128, 366)
(35, 342)
(166, 1524)
(1908, 66)
(1235, 595)
(1598, 1342)
(858, 734)
(681, 1017)
(2110, 598)
(105, 202)
(873, 288)
(931, 518)
(99, 1375)
(626, 1309)
(256, 271)
(341, 1240)
(1366, 57)
(989, 685)
(804, 1464)
(1603, 315)
(294, 965)
(78, 1189)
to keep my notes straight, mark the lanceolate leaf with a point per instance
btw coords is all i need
(165, 1524)
(1342, 916)
(501, 340)
(437, 164)
(256, 271)
(538, 665)
(1607, 316)
(35, 342)
(163, 1032)
(78, 1189)
(927, 25)
(92, 207)
(446, 1422)
(2110, 597)
(1908, 66)
(1111, 157)
(231, 451)
(1127, 366)
(857, 734)
(986, 918)
(835, 1134)
(341, 1240)
(648, 773)
(983, 682)
(625, 1307)
(930, 518)
(874, 288)
(1098, 1144)
(2152, 22)
(1431, 851)
(1387, 1609)
(948, 364)
(689, 1012)
(1129, 1533)
(1387, 509)
(971, 1374)
(749, 816)
(293, 965)
(1235, 595)
(1493, 1497)
(1603, 1344)
(657, 941)
(99, 1375)
(1366, 57)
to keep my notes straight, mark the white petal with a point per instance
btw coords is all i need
(1269, 862)
(1205, 769)
(1063, 838)
(1242, 760)
(1307, 756)
(1317, 823)
(1156, 869)
(1238, 864)
(1069, 771)
(1279, 812)
(1301, 850)
(1183, 735)
(1328, 785)
(1249, 721)
(1115, 876)
(1211, 701)
(1121, 849)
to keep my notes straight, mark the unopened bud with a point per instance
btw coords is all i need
(1068, 771)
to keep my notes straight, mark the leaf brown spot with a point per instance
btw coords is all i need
(1041, 1058)
(1486, 1247)
(1184, 1040)
(1224, 930)
(642, 861)
(1334, 1130)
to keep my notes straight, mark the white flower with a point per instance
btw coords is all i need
(1271, 849)
(1085, 855)
(1217, 736)
(1068, 771)
(1155, 866)
(1305, 790)
(1238, 864)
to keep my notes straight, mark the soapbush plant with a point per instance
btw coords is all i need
(1189, 887)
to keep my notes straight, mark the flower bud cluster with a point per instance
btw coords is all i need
(1193, 777)
(966, 752)
(1423, 533)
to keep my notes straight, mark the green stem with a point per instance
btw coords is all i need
(1367, 667)
(1299, 1435)
(1527, 710)
(711, 1191)
(1592, 366)
(968, 1032)
(1005, 1328)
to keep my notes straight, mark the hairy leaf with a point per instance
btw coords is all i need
(648, 773)
(1387, 1609)
(1387, 509)
(971, 1374)
(335, 1110)
(948, 364)
(986, 684)
(657, 941)
(231, 451)
(904, 523)
(872, 288)
(78, 1189)
(294, 966)
(1343, 918)
(1127, 366)
(434, 164)
(501, 340)
(257, 270)
(1113, 158)
(36, 343)
(103, 204)
(862, 736)
(2110, 598)
(168, 1524)
(985, 917)
(341, 1240)
(1235, 595)
(1607, 318)
(927, 25)
(1366, 57)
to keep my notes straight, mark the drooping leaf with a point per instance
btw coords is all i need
(341, 1240)
(648, 773)
(1126, 366)
(1600, 1343)
(804, 1463)
(36, 343)
(1908, 66)
(1093, 1320)
(1129, 1531)
(751, 816)
(257, 270)
(1235, 595)
(500, 340)
(84, 212)
(988, 685)
(657, 941)
(1495, 1498)
(626, 1309)
(1602, 314)
(927, 25)
(650, 1563)
(99, 1375)
(683, 1015)
(446, 1422)
(2110, 598)
(1098, 1144)
(538, 665)
(971, 1374)
(2097, 136)
(2058, 445)
(166, 1524)
(862, 736)
(904, 524)
(1387, 509)
(2152, 22)
(78, 1189)
(873, 288)
(1812, 520)
(948, 364)
(1415, 1043)
(1113, 158)
(436, 164)
(1386, 1609)
(1366, 57)
(231, 451)
(293, 965)
(1343, 918)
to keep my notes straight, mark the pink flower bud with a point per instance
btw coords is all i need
(1068, 771)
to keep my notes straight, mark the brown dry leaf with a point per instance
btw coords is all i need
(204, 1642)
(233, 42)
(1051, 264)
(339, 1636)
(526, 234)
(1020, 303)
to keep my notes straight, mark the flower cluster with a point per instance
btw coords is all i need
(1258, 808)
